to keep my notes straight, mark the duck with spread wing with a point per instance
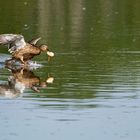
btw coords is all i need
(22, 50)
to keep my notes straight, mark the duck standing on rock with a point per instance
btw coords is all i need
(22, 50)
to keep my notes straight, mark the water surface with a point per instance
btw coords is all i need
(96, 71)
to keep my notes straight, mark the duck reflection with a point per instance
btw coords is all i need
(20, 79)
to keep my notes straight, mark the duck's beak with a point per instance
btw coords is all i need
(50, 54)
(50, 80)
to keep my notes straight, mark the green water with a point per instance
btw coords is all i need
(96, 70)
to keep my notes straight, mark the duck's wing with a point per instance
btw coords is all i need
(34, 41)
(14, 41)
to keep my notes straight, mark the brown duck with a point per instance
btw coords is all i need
(21, 79)
(22, 50)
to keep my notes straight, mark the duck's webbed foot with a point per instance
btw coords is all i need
(26, 63)
(22, 61)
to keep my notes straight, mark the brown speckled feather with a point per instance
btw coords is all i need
(28, 52)
(22, 50)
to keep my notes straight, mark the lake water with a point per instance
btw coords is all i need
(91, 88)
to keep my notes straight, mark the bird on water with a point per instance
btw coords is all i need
(22, 50)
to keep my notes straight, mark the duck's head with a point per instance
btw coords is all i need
(44, 48)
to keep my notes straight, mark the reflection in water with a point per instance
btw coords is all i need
(96, 68)
(20, 79)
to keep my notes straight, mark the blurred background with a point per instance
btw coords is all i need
(96, 70)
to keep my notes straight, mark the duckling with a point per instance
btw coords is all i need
(22, 50)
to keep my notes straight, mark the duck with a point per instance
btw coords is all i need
(22, 50)
(20, 79)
